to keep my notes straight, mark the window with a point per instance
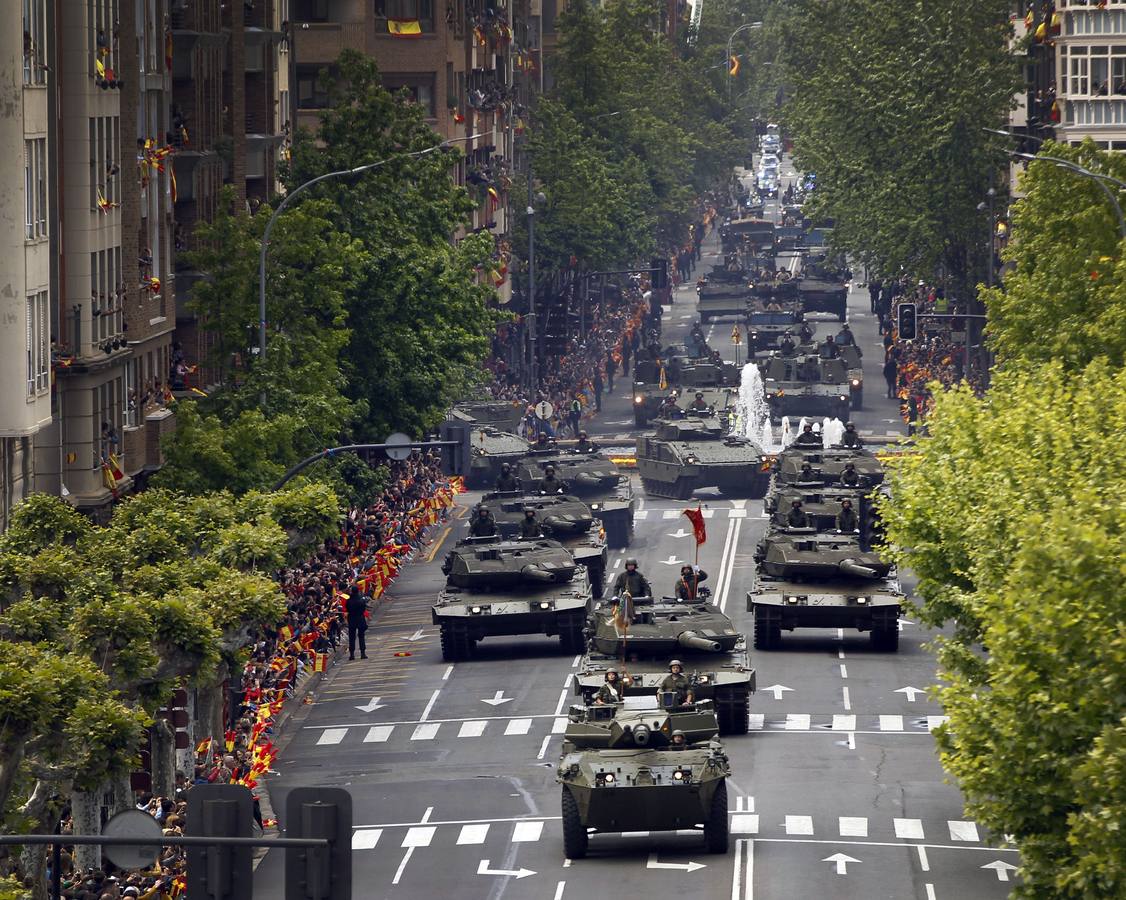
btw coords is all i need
(419, 88)
(310, 94)
(38, 344)
(34, 41)
(35, 186)
(311, 11)
(423, 10)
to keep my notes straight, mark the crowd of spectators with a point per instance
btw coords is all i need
(373, 543)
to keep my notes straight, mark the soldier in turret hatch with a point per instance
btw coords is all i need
(549, 484)
(849, 477)
(807, 438)
(698, 405)
(632, 582)
(530, 526)
(676, 682)
(688, 585)
(583, 445)
(679, 741)
(828, 348)
(807, 473)
(506, 481)
(796, 517)
(611, 689)
(850, 438)
(805, 332)
(847, 520)
(787, 344)
(483, 524)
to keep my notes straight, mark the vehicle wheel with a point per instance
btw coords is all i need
(716, 827)
(456, 644)
(731, 712)
(571, 634)
(768, 633)
(884, 638)
(575, 837)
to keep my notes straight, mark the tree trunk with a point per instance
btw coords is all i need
(11, 755)
(185, 758)
(163, 759)
(122, 794)
(41, 817)
(209, 713)
(85, 809)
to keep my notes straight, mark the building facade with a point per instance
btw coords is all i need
(1090, 65)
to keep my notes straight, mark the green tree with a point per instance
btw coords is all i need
(1010, 515)
(1064, 296)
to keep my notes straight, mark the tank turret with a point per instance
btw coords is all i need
(805, 554)
(490, 564)
(661, 628)
(620, 726)
(559, 515)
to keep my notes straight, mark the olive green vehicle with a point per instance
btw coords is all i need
(563, 518)
(489, 448)
(686, 454)
(597, 481)
(808, 579)
(827, 466)
(684, 378)
(500, 414)
(499, 587)
(621, 771)
(822, 505)
(712, 653)
(806, 385)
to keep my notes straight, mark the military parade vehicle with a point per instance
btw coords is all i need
(754, 236)
(806, 385)
(852, 357)
(810, 579)
(822, 504)
(686, 454)
(594, 479)
(826, 466)
(766, 327)
(823, 295)
(562, 517)
(489, 449)
(502, 587)
(503, 415)
(630, 770)
(713, 654)
(722, 298)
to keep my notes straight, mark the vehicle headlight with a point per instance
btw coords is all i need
(843, 397)
(703, 679)
(861, 600)
(792, 599)
(477, 610)
(856, 382)
(682, 776)
(604, 778)
(545, 604)
(638, 399)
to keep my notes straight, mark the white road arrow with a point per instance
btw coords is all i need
(497, 699)
(417, 636)
(841, 861)
(680, 533)
(680, 867)
(1002, 869)
(372, 706)
(671, 561)
(903, 622)
(911, 692)
(483, 869)
(777, 690)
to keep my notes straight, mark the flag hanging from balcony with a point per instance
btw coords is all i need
(404, 28)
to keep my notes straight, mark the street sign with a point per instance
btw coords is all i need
(736, 335)
(132, 823)
(399, 446)
(544, 410)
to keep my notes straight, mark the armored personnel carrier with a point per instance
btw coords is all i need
(822, 295)
(718, 298)
(500, 414)
(597, 481)
(686, 454)
(684, 378)
(621, 772)
(806, 386)
(822, 505)
(713, 654)
(827, 466)
(488, 449)
(563, 518)
(811, 580)
(766, 327)
(499, 587)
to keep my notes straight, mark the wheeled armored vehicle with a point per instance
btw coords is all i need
(686, 454)
(806, 385)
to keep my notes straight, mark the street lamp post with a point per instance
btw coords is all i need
(533, 325)
(291, 196)
(748, 26)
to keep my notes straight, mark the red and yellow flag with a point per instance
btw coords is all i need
(404, 28)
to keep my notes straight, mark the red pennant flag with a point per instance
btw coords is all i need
(696, 517)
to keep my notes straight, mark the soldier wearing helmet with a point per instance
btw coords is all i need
(611, 690)
(530, 526)
(677, 683)
(549, 484)
(506, 481)
(584, 445)
(688, 585)
(850, 438)
(483, 524)
(679, 741)
(698, 405)
(632, 582)
(796, 517)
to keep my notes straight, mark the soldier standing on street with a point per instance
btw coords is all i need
(597, 385)
(356, 607)
(611, 367)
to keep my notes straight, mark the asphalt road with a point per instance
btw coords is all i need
(836, 791)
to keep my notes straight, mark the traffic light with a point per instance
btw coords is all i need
(908, 321)
(660, 267)
(311, 873)
(220, 872)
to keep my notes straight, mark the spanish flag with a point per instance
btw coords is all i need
(320, 662)
(663, 382)
(286, 632)
(404, 28)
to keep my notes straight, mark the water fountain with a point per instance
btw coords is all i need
(752, 419)
(832, 432)
(787, 432)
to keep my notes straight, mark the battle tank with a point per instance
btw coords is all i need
(597, 481)
(713, 654)
(562, 517)
(489, 448)
(766, 327)
(806, 386)
(811, 580)
(621, 772)
(500, 414)
(498, 587)
(827, 466)
(686, 454)
(717, 298)
(822, 505)
(821, 295)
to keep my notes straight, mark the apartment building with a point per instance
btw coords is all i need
(1090, 48)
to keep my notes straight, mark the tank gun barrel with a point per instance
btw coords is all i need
(692, 641)
(852, 567)
(587, 479)
(537, 573)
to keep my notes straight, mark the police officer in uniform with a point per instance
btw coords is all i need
(506, 481)
(632, 582)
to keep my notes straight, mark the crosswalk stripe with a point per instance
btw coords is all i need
(736, 514)
(852, 826)
(378, 734)
(559, 725)
(526, 832)
(844, 723)
(332, 736)
(670, 514)
(799, 825)
(962, 831)
(744, 823)
(640, 514)
(420, 836)
(473, 834)
(366, 839)
(891, 723)
(519, 726)
(908, 829)
(427, 731)
(756, 721)
(797, 722)
(709, 513)
(934, 721)
(472, 729)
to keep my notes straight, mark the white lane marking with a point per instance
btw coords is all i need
(962, 831)
(852, 740)
(709, 513)
(908, 829)
(853, 826)
(446, 675)
(402, 865)
(844, 722)
(559, 725)
(378, 734)
(425, 732)
(575, 662)
(635, 834)
(840, 654)
(930, 892)
(566, 864)
(366, 839)
(567, 680)
(525, 832)
(847, 702)
(736, 514)
(332, 736)
(519, 726)
(799, 825)
(543, 746)
(744, 823)
(472, 834)
(724, 560)
(756, 721)
(559, 890)
(472, 729)
(840, 634)
(459, 821)
(563, 694)
(797, 722)
(430, 705)
(419, 837)
(739, 504)
(737, 872)
(736, 529)
(671, 514)
(640, 514)
(844, 671)
(924, 863)
(891, 723)
(617, 563)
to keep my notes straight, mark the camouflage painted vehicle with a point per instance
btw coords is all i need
(811, 580)
(717, 298)
(620, 772)
(827, 466)
(806, 385)
(498, 587)
(562, 517)
(686, 454)
(820, 295)
(766, 327)
(594, 479)
(489, 448)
